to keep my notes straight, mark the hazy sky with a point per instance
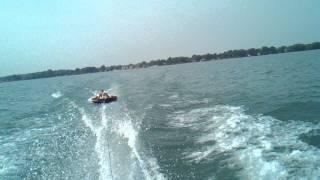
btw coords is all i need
(38, 35)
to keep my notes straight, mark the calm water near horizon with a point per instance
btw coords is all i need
(249, 118)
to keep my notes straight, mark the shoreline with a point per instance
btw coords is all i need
(231, 54)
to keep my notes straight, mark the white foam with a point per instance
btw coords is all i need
(255, 165)
(7, 165)
(56, 95)
(124, 127)
(150, 168)
(252, 141)
(100, 147)
(126, 130)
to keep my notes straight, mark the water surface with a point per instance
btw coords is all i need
(249, 118)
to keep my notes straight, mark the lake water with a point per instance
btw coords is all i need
(249, 118)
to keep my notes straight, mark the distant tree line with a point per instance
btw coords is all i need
(239, 53)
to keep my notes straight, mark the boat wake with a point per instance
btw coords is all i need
(150, 167)
(100, 147)
(118, 152)
(262, 147)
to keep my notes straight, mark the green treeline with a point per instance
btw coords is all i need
(170, 61)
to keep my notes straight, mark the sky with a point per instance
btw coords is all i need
(37, 35)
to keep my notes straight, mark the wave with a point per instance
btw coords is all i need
(264, 147)
(56, 95)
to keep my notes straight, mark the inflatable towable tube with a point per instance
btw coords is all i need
(98, 100)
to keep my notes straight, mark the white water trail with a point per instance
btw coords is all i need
(100, 147)
(125, 128)
(265, 147)
(149, 168)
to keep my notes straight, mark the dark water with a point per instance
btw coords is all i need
(254, 118)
